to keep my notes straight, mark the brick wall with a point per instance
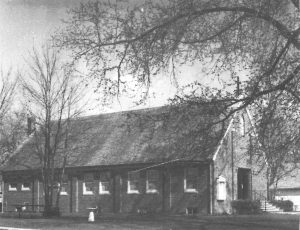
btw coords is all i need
(13, 198)
(170, 197)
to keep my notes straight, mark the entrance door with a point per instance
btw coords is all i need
(244, 183)
(117, 180)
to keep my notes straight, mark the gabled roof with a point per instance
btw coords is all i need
(142, 136)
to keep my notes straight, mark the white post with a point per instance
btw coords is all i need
(91, 216)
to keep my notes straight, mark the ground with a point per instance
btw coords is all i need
(251, 222)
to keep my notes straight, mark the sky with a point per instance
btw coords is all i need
(25, 24)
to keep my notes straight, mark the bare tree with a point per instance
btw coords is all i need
(11, 123)
(52, 96)
(8, 84)
(259, 38)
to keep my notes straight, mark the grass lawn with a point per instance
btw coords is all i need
(252, 222)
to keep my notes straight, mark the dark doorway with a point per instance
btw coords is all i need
(244, 183)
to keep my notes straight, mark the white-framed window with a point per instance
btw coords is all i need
(26, 186)
(12, 186)
(133, 182)
(221, 188)
(152, 181)
(88, 185)
(104, 183)
(63, 188)
(190, 179)
(242, 125)
(88, 188)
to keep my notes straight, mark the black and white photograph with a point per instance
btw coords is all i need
(150, 114)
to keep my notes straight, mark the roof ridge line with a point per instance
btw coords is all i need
(122, 112)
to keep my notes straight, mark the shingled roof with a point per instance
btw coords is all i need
(142, 136)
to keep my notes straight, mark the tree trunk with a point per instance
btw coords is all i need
(268, 184)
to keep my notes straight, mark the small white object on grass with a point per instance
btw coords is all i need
(91, 216)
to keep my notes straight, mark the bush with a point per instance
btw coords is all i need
(246, 206)
(285, 205)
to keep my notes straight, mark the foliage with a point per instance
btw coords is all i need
(286, 205)
(122, 41)
(8, 84)
(278, 133)
(12, 127)
(246, 206)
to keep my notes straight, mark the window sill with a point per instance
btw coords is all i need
(87, 193)
(104, 193)
(152, 192)
(133, 192)
(191, 191)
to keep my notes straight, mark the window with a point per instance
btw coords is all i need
(63, 189)
(242, 125)
(62, 184)
(12, 187)
(26, 186)
(221, 188)
(133, 182)
(88, 185)
(152, 181)
(88, 188)
(104, 184)
(190, 180)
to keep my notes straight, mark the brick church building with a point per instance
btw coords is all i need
(154, 160)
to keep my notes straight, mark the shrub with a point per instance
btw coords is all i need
(285, 205)
(246, 206)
